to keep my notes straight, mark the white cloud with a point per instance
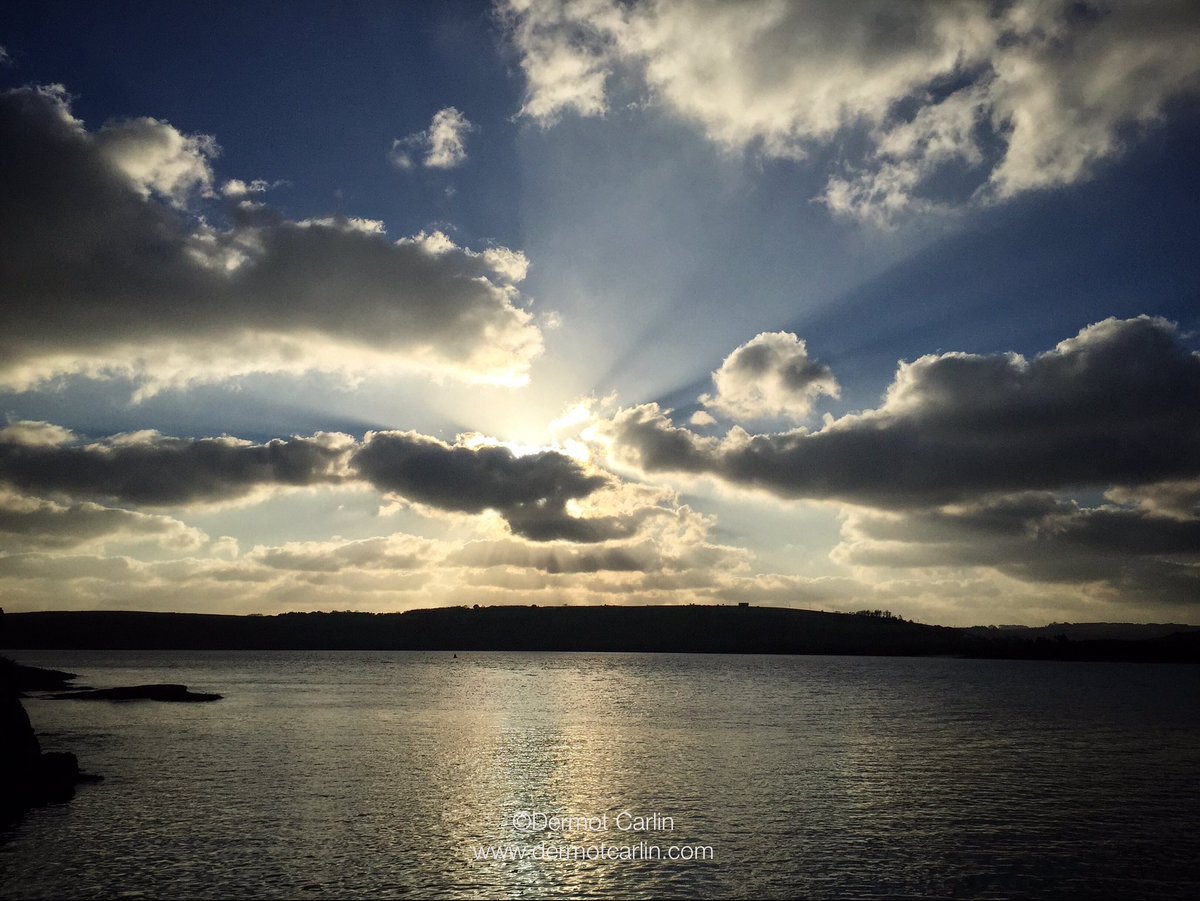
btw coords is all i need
(235, 187)
(441, 146)
(511, 265)
(33, 433)
(769, 376)
(1063, 91)
(399, 154)
(157, 157)
(1051, 85)
(564, 54)
(447, 133)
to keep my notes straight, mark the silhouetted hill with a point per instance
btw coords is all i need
(1085, 631)
(726, 629)
(695, 629)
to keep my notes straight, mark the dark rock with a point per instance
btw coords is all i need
(19, 749)
(36, 678)
(138, 693)
(28, 777)
(58, 771)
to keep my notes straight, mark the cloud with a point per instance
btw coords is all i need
(157, 158)
(543, 496)
(1133, 555)
(1025, 95)
(768, 377)
(447, 132)
(1063, 92)
(146, 468)
(28, 523)
(531, 492)
(393, 553)
(104, 274)
(235, 187)
(1176, 500)
(389, 573)
(566, 54)
(549, 559)
(671, 558)
(35, 434)
(1115, 405)
(441, 146)
(983, 463)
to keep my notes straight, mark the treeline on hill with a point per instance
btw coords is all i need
(694, 629)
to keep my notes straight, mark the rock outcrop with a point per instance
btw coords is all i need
(138, 693)
(29, 777)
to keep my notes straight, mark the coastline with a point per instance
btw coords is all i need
(657, 629)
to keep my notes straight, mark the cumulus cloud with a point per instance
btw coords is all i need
(441, 146)
(1026, 95)
(980, 461)
(147, 468)
(542, 496)
(1128, 553)
(1115, 405)
(157, 157)
(35, 523)
(768, 377)
(531, 492)
(104, 275)
(566, 54)
(32, 433)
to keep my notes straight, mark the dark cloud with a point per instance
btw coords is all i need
(555, 560)
(105, 270)
(1039, 537)
(531, 492)
(155, 470)
(1119, 404)
(148, 469)
(980, 461)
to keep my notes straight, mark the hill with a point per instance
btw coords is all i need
(699, 629)
(686, 629)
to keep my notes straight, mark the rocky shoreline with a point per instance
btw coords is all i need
(31, 777)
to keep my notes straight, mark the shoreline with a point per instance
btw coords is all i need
(646, 629)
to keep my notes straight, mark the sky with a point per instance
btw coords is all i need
(379, 306)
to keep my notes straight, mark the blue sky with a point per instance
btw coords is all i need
(707, 234)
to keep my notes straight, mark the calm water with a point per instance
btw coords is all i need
(359, 774)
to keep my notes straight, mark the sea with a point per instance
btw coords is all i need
(352, 774)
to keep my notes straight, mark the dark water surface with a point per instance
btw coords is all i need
(368, 774)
